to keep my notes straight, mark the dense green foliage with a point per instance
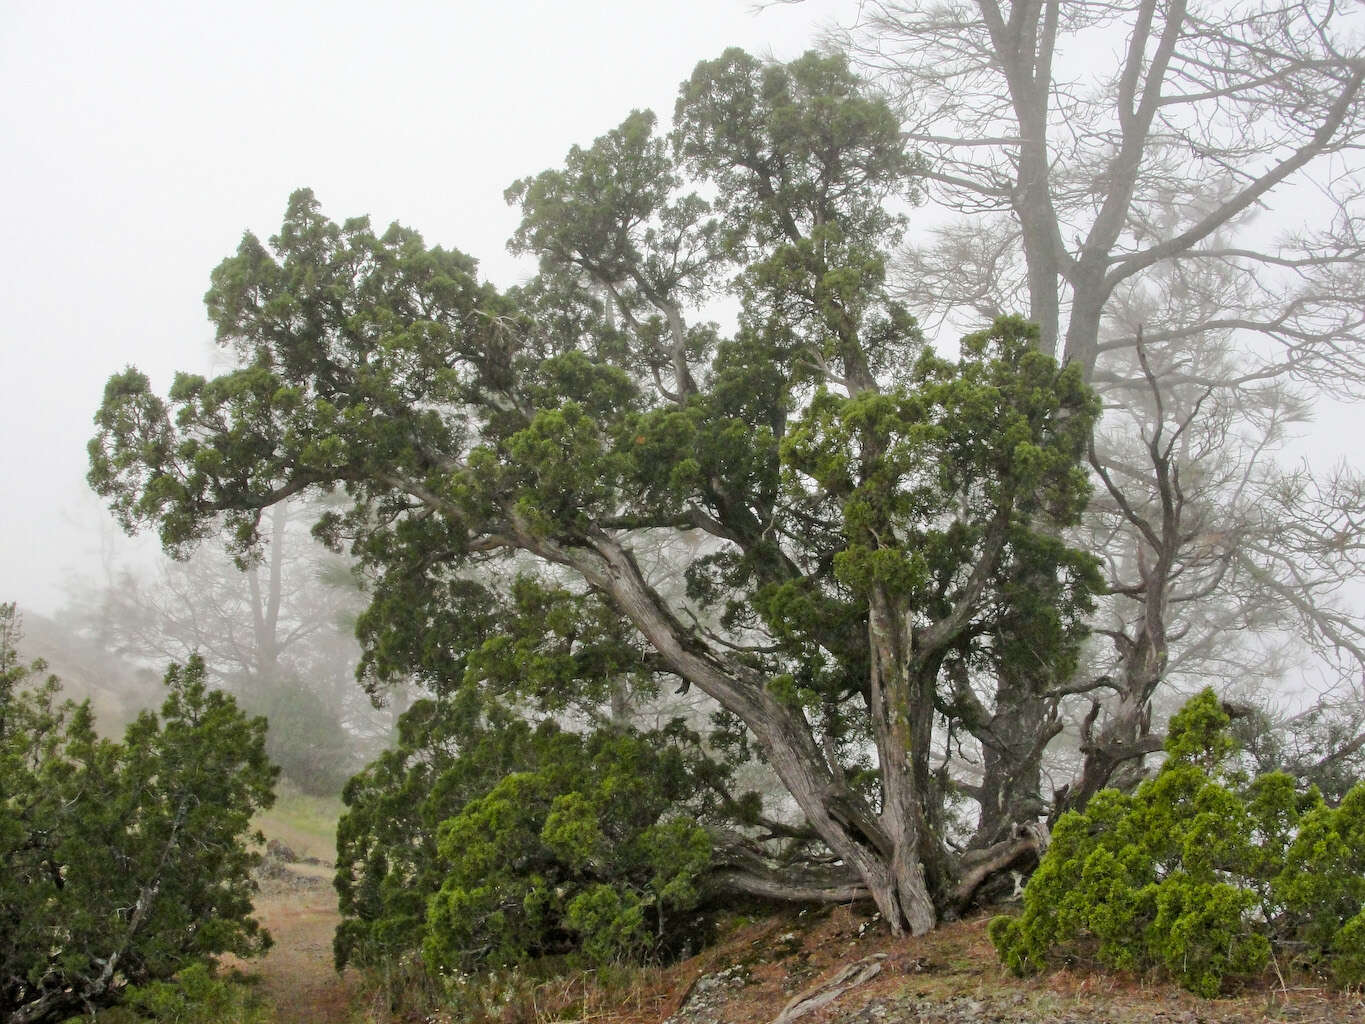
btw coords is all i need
(121, 862)
(491, 832)
(1322, 886)
(1200, 871)
(589, 846)
(196, 995)
(845, 541)
(387, 863)
(493, 840)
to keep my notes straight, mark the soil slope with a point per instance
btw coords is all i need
(764, 964)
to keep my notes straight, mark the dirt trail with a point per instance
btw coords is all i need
(298, 905)
(300, 910)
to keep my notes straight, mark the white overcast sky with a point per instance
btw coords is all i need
(139, 140)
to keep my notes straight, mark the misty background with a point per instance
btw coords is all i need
(1216, 313)
(140, 140)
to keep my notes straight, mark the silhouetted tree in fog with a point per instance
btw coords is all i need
(1105, 167)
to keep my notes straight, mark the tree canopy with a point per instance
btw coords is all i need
(860, 536)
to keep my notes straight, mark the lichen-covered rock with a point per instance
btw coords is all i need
(704, 1002)
(279, 851)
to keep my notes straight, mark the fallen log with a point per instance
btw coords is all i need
(831, 988)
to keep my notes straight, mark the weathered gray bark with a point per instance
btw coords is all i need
(826, 991)
(836, 814)
(1013, 741)
(1029, 842)
(741, 867)
(902, 707)
(1142, 651)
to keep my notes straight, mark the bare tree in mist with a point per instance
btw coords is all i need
(1105, 167)
(1073, 183)
(277, 632)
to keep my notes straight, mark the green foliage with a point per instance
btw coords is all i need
(540, 647)
(493, 841)
(778, 138)
(586, 850)
(122, 862)
(1199, 872)
(194, 996)
(387, 863)
(1323, 884)
(1001, 433)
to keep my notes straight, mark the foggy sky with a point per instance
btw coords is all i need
(138, 141)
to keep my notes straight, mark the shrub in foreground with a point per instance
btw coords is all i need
(585, 853)
(1199, 872)
(121, 863)
(197, 995)
(484, 840)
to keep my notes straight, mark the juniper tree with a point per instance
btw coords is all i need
(123, 862)
(877, 521)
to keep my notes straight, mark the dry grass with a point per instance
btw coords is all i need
(296, 976)
(306, 824)
(786, 953)
(774, 956)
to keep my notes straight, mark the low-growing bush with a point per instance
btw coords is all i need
(1200, 872)
(1322, 886)
(520, 816)
(121, 863)
(581, 853)
(196, 995)
(450, 750)
(485, 841)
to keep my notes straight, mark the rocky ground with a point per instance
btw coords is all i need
(845, 970)
(799, 967)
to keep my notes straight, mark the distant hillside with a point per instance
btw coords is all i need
(117, 689)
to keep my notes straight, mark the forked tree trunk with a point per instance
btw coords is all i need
(886, 852)
(902, 721)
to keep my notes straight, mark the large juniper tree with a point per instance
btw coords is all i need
(871, 526)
